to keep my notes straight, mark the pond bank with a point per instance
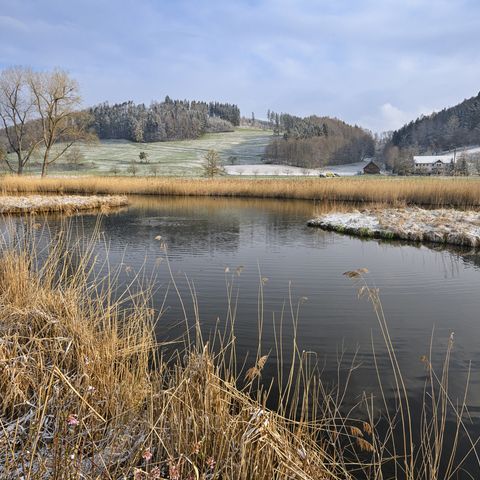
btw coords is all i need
(59, 203)
(452, 227)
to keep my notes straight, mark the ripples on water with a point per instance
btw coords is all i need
(424, 289)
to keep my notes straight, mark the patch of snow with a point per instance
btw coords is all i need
(439, 226)
(287, 170)
(57, 203)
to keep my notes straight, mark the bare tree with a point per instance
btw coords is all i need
(133, 168)
(115, 170)
(212, 164)
(155, 169)
(75, 157)
(17, 114)
(56, 101)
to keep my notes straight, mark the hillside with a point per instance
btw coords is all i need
(450, 128)
(177, 157)
(162, 121)
(315, 142)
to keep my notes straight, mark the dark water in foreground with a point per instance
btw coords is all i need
(424, 289)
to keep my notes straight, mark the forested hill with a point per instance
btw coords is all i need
(167, 120)
(452, 127)
(313, 141)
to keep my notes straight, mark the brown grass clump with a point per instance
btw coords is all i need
(393, 190)
(86, 393)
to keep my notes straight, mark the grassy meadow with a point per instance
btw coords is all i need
(439, 192)
(175, 158)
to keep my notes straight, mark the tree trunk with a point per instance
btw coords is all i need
(44, 168)
(20, 164)
(45, 162)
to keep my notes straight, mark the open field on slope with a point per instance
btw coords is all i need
(180, 158)
(442, 192)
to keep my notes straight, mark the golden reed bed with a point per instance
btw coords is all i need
(420, 191)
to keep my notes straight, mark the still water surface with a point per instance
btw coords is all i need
(424, 289)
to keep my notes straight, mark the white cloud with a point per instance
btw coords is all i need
(392, 117)
(371, 62)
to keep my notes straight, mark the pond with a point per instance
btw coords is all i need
(427, 291)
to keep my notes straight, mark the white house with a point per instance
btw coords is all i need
(434, 164)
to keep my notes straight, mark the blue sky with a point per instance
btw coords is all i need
(377, 63)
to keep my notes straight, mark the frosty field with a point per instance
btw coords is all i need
(179, 158)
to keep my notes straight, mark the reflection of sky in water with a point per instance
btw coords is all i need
(422, 288)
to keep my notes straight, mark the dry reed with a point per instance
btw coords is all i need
(86, 391)
(392, 190)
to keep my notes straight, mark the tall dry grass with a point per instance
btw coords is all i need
(87, 392)
(458, 192)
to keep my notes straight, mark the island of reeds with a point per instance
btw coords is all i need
(446, 226)
(59, 203)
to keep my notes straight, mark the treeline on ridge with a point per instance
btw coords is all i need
(161, 121)
(313, 141)
(450, 128)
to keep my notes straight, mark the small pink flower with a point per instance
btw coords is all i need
(211, 463)
(173, 471)
(72, 420)
(147, 454)
(155, 473)
(196, 448)
(137, 474)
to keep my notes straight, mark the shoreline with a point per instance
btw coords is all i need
(449, 227)
(32, 204)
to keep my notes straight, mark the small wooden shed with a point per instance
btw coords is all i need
(371, 168)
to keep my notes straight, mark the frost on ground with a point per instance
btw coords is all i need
(440, 226)
(287, 170)
(58, 203)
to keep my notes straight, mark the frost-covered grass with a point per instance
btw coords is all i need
(57, 203)
(453, 227)
(178, 158)
(290, 171)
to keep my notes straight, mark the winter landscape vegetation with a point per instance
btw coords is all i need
(207, 275)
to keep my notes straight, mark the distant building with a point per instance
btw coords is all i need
(434, 164)
(371, 168)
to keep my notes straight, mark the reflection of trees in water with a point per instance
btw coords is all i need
(469, 255)
(215, 223)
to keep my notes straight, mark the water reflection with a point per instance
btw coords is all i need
(425, 289)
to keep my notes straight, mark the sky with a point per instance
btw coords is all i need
(375, 63)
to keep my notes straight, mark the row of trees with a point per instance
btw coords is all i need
(313, 142)
(448, 129)
(161, 121)
(38, 110)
